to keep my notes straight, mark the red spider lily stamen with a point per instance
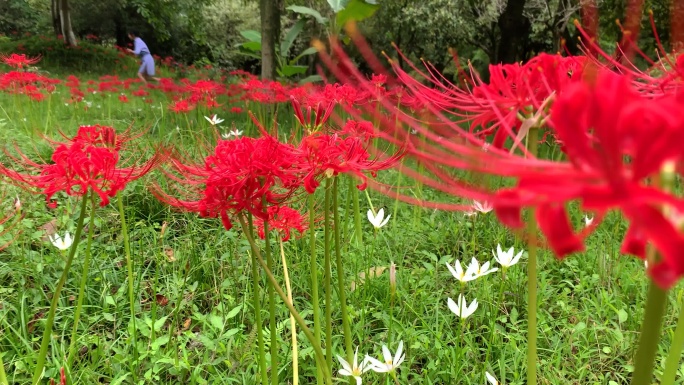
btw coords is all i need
(90, 161)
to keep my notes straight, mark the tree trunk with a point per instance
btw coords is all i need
(677, 25)
(61, 21)
(634, 10)
(270, 36)
(514, 29)
(56, 25)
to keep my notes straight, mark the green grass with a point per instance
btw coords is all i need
(193, 291)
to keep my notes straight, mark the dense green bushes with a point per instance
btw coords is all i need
(85, 58)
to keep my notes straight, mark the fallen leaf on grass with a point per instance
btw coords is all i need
(373, 272)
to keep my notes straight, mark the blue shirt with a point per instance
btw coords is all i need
(140, 48)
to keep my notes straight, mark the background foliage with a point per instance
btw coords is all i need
(209, 31)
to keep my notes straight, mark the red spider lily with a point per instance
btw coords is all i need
(320, 116)
(90, 161)
(615, 139)
(62, 378)
(332, 154)
(19, 61)
(181, 106)
(282, 219)
(241, 175)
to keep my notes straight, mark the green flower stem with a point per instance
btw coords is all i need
(293, 322)
(318, 352)
(644, 361)
(326, 276)
(272, 309)
(314, 280)
(341, 283)
(84, 279)
(47, 334)
(257, 305)
(131, 288)
(533, 142)
(357, 212)
(493, 327)
(674, 356)
(3, 375)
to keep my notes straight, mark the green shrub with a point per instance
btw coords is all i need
(58, 57)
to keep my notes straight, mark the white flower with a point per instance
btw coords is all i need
(236, 133)
(378, 220)
(60, 243)
(355, 370)
(214, 120)
(461, 309)
(390, 363)
(458, 273)
(588, 221)
(491, 379)
(480, 271)
(483, 207)
(506, 259)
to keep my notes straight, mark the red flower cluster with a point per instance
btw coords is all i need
(90, 161)
(282, 219)
(252, 175)
(27, 83)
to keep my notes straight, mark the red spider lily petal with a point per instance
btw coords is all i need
(553, 221)
(666, 238)
(634, 242)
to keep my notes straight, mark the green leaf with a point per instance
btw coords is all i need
(159, 323)
(308, 11)
(306, 52)
(356, 10)
(311, 79)
(159, 342)
(290, 37)
(338, 5)
(215, 321)
(251, 35)
(121, 379)
(234, 312)
(254, 46)
(230, 333)
(291, 70)
(622, 315)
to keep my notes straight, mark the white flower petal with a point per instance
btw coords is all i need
(453, 307)
(491, 379)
